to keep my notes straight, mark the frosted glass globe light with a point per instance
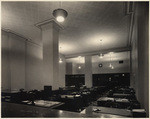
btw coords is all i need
(110, 65)
(60, 14)
(101, 55)
(60, 60)
(79, 67)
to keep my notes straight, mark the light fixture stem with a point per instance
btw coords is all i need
(60, 4)
(101, 55)
(79, 60)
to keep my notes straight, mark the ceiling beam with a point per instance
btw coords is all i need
(121, 49)
(19, 35)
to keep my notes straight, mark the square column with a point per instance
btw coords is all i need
(50, 35)
(88, 71)
(69, 68)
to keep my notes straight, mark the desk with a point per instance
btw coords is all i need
(18, 110)
(122, 100)
(123, 92)
(9, 96)
(70, 96)
(72, 102)
(106, 110)
(85, 93)
(50, 104)
(106, 99)
(120, 95)
(113, 102)
(103, 100)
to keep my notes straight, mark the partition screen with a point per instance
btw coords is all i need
(75, 79)
(121, 79)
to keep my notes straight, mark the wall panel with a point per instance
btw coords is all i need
(34, 67)
(17, 61)
(5, 65)
(140, 54)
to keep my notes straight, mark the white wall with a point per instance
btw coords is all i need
(5, 79)
(118, 68)
(140, 53)
(17, 61)
(13, 62)
(34, 67)
(134, 58)
(76, 70)
(22, 64)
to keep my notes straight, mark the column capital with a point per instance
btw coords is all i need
(48, 22)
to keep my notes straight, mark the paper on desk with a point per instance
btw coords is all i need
(138, 110)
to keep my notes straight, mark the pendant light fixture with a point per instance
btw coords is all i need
(101, 55)
(110, 61)
(79, 67)
(60, 14)
(60, 60)
(110, 65)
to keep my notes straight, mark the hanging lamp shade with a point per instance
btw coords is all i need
(101, 55)
(79, 67)
(60, 14)
(60, 60)
(110, 65)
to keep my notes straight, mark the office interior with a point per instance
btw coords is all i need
(76, 59)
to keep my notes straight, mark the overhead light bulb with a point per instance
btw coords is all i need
(79, 67)
(60, 18)
(110, 65)
(101, 55)
(109, 78)
(60, 60)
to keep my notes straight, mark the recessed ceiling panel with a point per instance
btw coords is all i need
(109, 57)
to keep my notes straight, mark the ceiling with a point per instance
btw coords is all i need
(106, 58)
(86, 24)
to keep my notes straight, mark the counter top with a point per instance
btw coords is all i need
(20, 110)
